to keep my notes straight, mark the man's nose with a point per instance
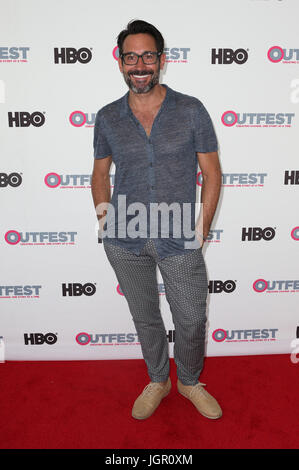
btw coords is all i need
(140, 62)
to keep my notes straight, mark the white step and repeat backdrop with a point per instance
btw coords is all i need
(59, 297)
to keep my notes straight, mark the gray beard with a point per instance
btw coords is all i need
(142, 89)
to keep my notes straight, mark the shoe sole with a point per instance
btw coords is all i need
(203, 414)
(148, 416)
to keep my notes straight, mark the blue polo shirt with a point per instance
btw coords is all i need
(161, 168)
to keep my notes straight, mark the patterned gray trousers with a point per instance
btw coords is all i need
(186, 286)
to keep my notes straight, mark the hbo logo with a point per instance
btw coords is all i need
(39, 338)
(77, 289)
(24, 119)
(228, 56)
(257, 233)
(216, 287)
(70, 55)
(14, 180)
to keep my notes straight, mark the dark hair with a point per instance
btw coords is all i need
(137, 27)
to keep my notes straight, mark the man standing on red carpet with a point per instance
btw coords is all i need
(156, 137)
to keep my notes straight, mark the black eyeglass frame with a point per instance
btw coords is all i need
(157, 54)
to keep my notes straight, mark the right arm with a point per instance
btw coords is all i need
(100, 185)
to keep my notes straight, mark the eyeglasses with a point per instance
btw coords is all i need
(148, 57)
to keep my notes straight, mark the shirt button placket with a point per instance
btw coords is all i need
(151, 171)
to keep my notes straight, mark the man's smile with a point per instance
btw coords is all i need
(140, 77)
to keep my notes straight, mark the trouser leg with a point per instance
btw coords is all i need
(186, 288)
(137, 278)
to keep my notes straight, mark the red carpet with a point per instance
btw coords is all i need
(87, 405)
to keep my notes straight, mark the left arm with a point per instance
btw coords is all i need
(210, 191)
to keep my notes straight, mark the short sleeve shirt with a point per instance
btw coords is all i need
(152, 170)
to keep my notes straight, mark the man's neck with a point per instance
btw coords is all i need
(147, 101)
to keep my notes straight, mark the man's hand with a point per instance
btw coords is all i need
(199, 236)
(210, 191)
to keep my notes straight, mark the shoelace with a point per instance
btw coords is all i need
(197, 387)
(151, 388)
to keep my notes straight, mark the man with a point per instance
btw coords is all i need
(156, 137)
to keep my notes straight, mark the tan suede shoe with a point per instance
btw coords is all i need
(150, 399)
(201, 399)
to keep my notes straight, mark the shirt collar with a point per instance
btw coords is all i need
(169, 101)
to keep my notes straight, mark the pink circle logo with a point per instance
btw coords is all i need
(77, 118)
(52, 180)
(115, 53)
(219, 335)
(295, 234)
(119, 290)
(83, 339)
(229, 118)
(12, 237)
(260, 285)
(275, 54)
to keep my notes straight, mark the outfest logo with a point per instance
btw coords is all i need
(286, 56)
(14, 54)
(177, 54)
(239, 180)
(78, 181)
(231, 118)
(284, 286)
(13, 237)
(20, 292)
(107, 339)
(229, 336)
(53, 180)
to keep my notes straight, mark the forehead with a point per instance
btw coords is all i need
(139, 43)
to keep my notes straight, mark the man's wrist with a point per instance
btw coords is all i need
(100, 217)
